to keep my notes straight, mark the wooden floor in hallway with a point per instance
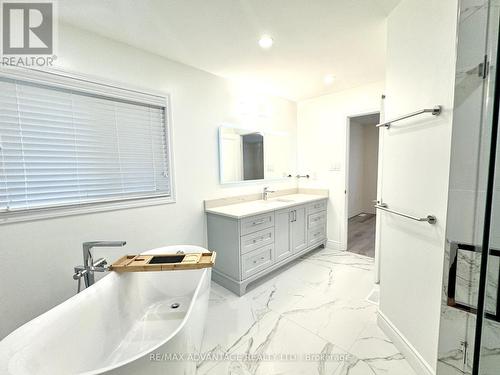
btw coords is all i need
(361, 235)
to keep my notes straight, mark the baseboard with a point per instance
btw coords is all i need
(415, 360)
(334, 245)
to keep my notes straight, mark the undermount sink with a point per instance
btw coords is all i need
(285, 200)
(277, 200)
(267, 201)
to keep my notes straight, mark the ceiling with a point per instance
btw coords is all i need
(312, 38)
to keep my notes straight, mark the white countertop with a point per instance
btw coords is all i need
(241, 210)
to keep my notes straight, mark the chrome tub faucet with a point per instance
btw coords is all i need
(89, 266)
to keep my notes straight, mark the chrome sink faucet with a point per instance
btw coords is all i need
(266, 192)
(89, 266)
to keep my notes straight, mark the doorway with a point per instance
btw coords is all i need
(362, 173)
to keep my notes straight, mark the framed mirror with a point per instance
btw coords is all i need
(250, 155)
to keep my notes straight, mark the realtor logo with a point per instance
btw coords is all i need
(27, 28)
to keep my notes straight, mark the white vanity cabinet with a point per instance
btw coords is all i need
(250, 247)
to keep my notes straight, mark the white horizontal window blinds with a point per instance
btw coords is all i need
(63, 147)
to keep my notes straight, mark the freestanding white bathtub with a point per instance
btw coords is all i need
(123, 324)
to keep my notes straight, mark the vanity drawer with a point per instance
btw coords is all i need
(317, 207)
(317, 234)
(316, 219)
(258, 239)
(256, 261)
(256, 223)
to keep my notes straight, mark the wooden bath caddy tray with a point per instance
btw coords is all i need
(163, 262)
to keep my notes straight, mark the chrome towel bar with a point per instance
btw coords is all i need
(431, 219)
(436, 111)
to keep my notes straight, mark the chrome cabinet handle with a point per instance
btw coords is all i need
(257, 222)
(257, 260)
(258, 239)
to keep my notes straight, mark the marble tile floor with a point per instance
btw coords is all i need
(311, 317)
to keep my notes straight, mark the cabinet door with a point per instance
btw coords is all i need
(282, 243)
(299, 229)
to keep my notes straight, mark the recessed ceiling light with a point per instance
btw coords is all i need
(266, 41)
(329, 78)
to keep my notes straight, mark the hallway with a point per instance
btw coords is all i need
(361, 235)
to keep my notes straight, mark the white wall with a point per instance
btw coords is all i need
(322, 141)
(37, 258)
(415, 165)
(362, 168)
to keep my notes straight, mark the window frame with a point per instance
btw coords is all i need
(104, 87)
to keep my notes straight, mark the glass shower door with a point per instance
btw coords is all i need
(469, 341)
(486, 360)
(486, 354)
(487, 331)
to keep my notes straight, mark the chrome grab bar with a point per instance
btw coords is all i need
(431, 219)
(436, 111)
